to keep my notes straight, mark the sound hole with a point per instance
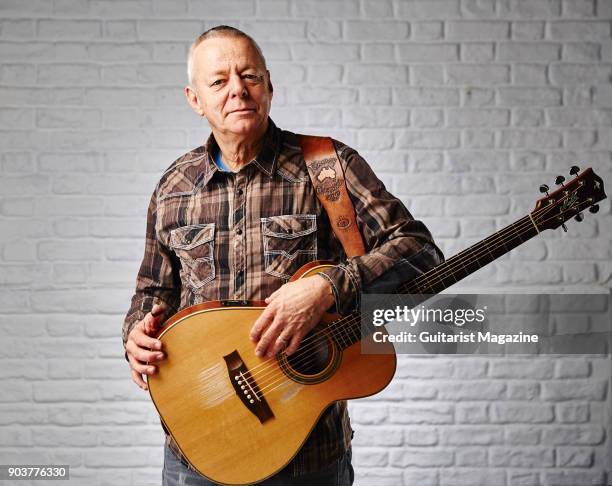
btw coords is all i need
(313, 355)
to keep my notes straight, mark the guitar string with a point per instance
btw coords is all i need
(350, 320)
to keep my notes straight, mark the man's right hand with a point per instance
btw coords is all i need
(143, 350)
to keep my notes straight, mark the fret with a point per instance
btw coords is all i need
(488, 250)
(335, 329)
(354, 333)
(344, 337)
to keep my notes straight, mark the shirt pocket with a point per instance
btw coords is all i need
(289, 241)
(194, 245)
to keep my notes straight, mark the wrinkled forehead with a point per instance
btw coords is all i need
(225, 53)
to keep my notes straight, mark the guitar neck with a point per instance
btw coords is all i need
(473, 258)
(453, 270)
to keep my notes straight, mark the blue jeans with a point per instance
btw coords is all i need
(339, 473)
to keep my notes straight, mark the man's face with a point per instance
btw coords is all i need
(230, 86)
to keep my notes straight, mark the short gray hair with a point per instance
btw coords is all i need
(220, 31)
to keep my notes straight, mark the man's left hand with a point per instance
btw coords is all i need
(292, 311)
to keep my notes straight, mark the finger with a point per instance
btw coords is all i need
(296, 339)
(273, 295)
(142, 340)
(151, 323)
(262, 323)
(153, 318)
(143, 368)
(281, 343)
(143, 354)
(158, 309)
(137, 378)
(265, 345)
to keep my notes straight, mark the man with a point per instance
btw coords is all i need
(236, 217)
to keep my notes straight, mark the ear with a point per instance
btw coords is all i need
(270, 87)
(193, 100)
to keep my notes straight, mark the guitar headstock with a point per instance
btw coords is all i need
(582, 192)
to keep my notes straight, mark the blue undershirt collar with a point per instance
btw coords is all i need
(222, 166)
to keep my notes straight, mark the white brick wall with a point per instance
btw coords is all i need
(475, 102)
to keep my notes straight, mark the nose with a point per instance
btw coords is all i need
(238, 87)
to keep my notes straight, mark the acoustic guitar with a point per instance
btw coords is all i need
(239, 419)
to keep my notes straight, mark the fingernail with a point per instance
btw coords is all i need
(157, 345)
(151, 369)
(160, 355)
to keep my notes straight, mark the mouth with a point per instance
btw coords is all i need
(243, 110)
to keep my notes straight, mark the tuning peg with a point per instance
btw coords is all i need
(559, 180)
(574, 170)
(544, 189)
(593, 209)
(579, 217)
(564, 227)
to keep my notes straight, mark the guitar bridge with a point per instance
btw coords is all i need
(246, 388)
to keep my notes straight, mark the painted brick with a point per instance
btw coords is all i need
(531, 8)
(428, 9)
(528, 51)
(421, 458)
(333, 8)
(427, 30)
(523, 457)
(579, 31)
(477, 30)
(375, 30)
(418, 52)
(69, 29)
(470, 476)
(527, 30)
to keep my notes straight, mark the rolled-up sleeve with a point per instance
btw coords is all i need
(157, 279)
(398, 247)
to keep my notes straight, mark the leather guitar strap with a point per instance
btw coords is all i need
(330, 186)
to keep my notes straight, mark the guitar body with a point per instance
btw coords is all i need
(238, 418)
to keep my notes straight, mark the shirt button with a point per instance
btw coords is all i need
(239, 231)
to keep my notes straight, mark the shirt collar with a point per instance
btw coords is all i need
(266, 160)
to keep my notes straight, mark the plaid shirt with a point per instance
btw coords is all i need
(214, 235)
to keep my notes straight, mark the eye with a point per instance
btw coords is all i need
(217, 82)
(253, 77)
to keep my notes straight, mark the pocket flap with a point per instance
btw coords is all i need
(187, 237)
(289, 226)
